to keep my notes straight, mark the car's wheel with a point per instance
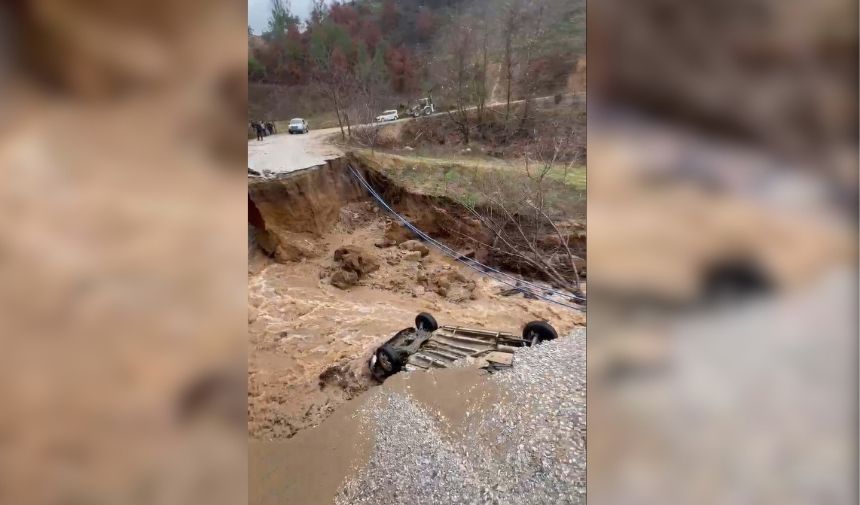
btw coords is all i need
(426, 322)
(538, 331)
(389, 360)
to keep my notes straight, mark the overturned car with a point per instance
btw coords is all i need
(429, 345)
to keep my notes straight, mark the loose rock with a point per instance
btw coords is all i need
(355, 260)
(344, 279)
(383, 243)
(414, 245)
(412, 256)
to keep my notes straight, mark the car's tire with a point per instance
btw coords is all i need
(426, 322)
(389, 360)
(540, 331)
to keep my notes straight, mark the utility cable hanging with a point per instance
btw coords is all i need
(544, 293)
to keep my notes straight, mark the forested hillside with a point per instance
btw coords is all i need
(384, 54)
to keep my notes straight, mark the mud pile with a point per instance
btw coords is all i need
(351, 264)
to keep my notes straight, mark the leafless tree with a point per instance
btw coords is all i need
(524, 228)
(460, 78)
(480, 75)
(528, 80)
(464, 69)
(369, 85)
(510, 24)
(335, 87)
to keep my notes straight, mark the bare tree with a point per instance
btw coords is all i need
(335, 89)
(480, 76)
(370, 85)
(525, 229)
(460, 78)
(331, 76)
(510, 24)
(527, 79)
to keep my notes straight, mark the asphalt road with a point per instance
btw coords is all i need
(283, 152)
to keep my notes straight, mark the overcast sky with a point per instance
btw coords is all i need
(258, 12)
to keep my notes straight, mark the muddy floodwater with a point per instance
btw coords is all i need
(309, 339)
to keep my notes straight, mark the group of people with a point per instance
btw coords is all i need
(263, 129)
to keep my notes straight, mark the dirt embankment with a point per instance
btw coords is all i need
(297, 210)
(331, 278)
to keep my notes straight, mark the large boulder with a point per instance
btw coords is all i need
(353, 259)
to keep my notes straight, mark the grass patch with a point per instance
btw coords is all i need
(470, 181)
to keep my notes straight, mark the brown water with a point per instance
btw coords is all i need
(300, 325)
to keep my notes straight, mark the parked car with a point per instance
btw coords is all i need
(429, 345)
(388, 115)
(299, 125)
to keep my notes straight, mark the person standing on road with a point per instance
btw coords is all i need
(258, 127)
(270, 127)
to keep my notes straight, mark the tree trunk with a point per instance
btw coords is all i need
(482, 99)
(508, 79)
(348, 126)
(337, 113)
(525, 116)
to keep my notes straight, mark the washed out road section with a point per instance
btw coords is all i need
(284, 152)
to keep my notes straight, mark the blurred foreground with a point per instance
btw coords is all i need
(122, 260)
(722, 268)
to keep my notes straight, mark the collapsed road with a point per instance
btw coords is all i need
(331, 277)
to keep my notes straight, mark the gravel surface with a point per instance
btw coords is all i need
(529, 448)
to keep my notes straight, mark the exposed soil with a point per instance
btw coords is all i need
(331, 278)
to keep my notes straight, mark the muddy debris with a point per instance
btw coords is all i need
(396, 234)
(310, 344)
(451, 284)
(384, 243)
(354, 215)
(415, 246)
(344, 279)
(341, 375)
(356, 260)
(412, 256)
(351, 265)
